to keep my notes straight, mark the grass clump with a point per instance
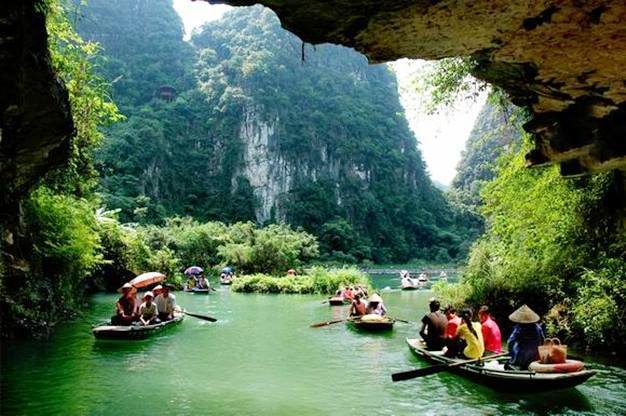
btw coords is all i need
(316, 280)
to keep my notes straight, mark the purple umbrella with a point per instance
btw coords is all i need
(193, 270)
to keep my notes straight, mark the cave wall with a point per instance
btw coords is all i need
(35, 121)
(562, 59)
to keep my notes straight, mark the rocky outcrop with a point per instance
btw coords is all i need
(35, 119)
(563, 59)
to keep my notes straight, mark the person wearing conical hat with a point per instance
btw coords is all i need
(375, 306)
(525, 339)
(125, 307)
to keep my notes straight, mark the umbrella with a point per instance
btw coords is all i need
(227, 270)
(147, 279)
(193, 270)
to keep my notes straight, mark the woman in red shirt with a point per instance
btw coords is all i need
(490, 330)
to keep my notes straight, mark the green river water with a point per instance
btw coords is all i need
(262, 358)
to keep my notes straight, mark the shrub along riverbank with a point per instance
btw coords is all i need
(316, 280)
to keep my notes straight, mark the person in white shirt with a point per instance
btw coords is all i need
(166, 302)
(148, 310)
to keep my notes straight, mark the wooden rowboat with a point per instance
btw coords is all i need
(135, 332)
(491, 373)
(368, 323)
(410, 287)
(201, 291)
(226, 281)
(338, 301)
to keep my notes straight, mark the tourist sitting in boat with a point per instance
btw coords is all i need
(148, 314)
(165, 302)
(375, 306)
(452, 341)
(291, 272)
(434, 326)
(471, 334)
(126, 307)
(191, 282)
(347, 293)
(358, 306)
(202, 282)
(525, 339)
(490, 330)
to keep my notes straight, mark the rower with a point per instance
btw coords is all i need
(434, 326)
(491, 331)
(375, 306)
(525, 339)
(126, 307)
(358, 306)
(165, 301)
(202, 282)
(148, 310)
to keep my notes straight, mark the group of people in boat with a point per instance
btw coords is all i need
(459, 336)
(158, 305)
(360, 306)
(198, 281)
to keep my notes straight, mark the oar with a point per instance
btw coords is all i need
(196, 315)
(402, 320)
(318, 325)
(426, 371)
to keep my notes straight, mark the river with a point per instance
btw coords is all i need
(262, 358)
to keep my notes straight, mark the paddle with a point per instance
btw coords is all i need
(426, 371)
(196, 315)
(318, 325)
(402, 320)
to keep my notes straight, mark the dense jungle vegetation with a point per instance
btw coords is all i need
(342, 162)
(557, 244)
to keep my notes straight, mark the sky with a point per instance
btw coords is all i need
(441, 136)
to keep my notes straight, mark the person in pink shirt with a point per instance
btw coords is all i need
(491, 332)
(452, 342)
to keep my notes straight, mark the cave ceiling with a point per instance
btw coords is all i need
(563, 60)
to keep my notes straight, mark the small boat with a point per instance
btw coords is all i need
(491, 373)
(226, 280)
(200, 291)
(372, 323)
(338, 301)
(133, 332)
(410, 284)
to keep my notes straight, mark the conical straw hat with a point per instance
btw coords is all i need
(375, 298)
(524, 315)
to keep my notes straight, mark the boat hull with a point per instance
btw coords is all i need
(492, 376)
(372, 326)
(410, 287)
(338, 302)
(131, 333)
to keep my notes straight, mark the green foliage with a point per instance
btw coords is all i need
(448, 79)
(356, 176)
(74, 62)
(555, 237)
(317, 280)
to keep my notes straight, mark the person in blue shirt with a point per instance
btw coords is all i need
(525, 339)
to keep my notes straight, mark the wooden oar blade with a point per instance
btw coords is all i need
(321, 324)
(418, 372)
(206, 318)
